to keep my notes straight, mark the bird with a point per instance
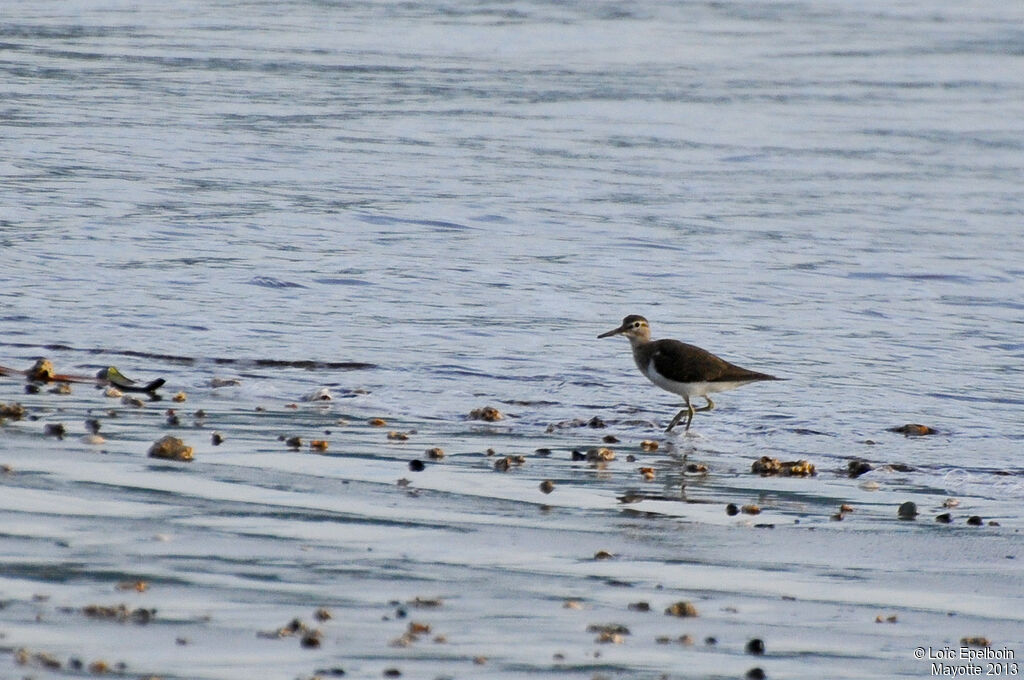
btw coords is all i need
(686, 370)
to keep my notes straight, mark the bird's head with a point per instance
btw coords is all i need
(634, 327)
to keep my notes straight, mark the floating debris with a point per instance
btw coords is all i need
(92, 425)
(319, 445)
(976, 641)
(487, 413)
(891, 618)
(508, 462)
(647, 473)
(137, 586)
(907, 510)
(12, 411)
(397, 436)
(172, 418)
(572, 604)
(751, 509)
(547, 486)
(171, 448)
(594, 422)
(610, 439)
(113, 393)
(319, 394)
(179, 397)
(224, 382)
(121, 613)
(378, 422)
(24, 657)
(436, 453)
(681, 609)
(61, 388)
(696, 468)
(323, 614)
(649, 445)
(639, 606)
(950, 503)
(755, 647)
(426, 602)
(913, 430)
(134, 402)
(767, 466)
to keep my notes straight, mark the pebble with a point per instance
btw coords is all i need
(907, 510)
(547, 486)
(171, 448)
(755, 647)
(487, 413)
(682, 609)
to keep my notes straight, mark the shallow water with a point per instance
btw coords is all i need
(431, 207)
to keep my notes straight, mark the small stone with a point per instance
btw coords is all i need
(547, 486)
(171, 448)
(755, 646)
(54, 430)
(907, 510)
(487, 413)
(600, 455)
(41, 371)
(856, 468)
(681, 609)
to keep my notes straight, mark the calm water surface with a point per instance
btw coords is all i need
(430, 207)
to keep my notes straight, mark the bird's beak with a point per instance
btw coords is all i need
(618, 330)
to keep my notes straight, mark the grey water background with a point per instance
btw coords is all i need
(458, 197)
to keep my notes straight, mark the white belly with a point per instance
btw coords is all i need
(694, 389)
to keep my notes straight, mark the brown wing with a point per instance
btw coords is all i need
(685, 363)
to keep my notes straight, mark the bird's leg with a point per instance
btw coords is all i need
(675, 421)
(710, 405)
